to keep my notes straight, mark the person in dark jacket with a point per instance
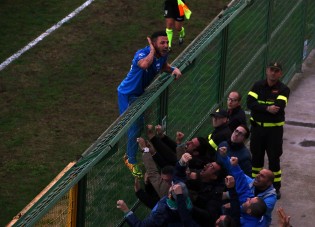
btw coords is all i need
(169, 151)
(231, 211)
(147, 195)
(221, 130)
(236, 114)
(267, 100)
(205, 187)
(235, 147)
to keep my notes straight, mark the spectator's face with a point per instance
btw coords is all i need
(273, 74)
(161, 45)
(209, 172)
(262, 180)
(218, 121)
(238, 136)
(167, 178)
(233, 100)
(248, 202)
(192, 145)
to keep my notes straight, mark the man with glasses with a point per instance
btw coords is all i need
(236, 114)
(235, 147)
(267, 100)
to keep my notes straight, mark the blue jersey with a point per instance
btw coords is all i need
(138, 79)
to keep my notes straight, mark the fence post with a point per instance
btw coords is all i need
(162, 118)
(268, 35)
(224, 47)
(72, 209)
(81, 202)
(303, 39)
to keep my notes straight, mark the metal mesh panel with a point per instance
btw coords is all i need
(107, 182)
(247, 36)
(230, 54)
(58, 215)
(288, 34)
(201, 79)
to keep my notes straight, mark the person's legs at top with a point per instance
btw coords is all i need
(179, 21)
(173, 20)
(124, 101)
(170, 11)
(181, 30)
(169, 31)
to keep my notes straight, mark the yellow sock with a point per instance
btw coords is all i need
(169, 33)
(182, 33)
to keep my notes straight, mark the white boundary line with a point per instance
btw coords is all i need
(42, 36)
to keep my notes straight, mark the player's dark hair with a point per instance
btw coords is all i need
(157, 34)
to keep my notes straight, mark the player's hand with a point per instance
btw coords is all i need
(150, 44)
(177, 73)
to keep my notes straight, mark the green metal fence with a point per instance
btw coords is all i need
(230, 54)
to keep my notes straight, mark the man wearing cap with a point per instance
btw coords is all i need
(267, 100)
(221, 130)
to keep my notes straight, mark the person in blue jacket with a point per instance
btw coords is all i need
(146, 64)
(253, 209)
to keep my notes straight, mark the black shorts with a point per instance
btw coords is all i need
(171, 10)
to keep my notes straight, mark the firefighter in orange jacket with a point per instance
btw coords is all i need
(267, 100)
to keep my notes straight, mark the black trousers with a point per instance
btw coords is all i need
(267, 140)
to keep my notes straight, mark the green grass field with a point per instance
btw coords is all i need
(58, 97)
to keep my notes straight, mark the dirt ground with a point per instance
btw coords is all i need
(298, 179)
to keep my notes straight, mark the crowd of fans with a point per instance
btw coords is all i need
(206, 181)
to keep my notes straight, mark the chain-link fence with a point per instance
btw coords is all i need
(230, 54)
